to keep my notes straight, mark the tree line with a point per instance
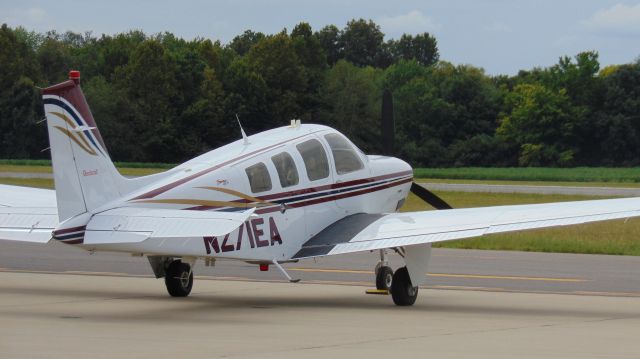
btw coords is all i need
(161, 98)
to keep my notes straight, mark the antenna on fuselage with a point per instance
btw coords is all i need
(244, 135)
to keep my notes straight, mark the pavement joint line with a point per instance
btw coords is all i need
(345, 283)
(447, 275)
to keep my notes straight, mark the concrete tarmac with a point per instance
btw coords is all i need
(82, 316)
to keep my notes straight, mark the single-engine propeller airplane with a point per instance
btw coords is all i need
(293, 192)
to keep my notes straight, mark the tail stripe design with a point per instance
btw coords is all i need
(70, 110)
(70, 235)
(87, 149)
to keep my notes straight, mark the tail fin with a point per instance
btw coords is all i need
(85, 177)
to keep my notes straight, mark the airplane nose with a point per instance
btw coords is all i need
(382, 165)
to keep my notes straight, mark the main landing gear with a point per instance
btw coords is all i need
(398, 284)
(402, 291)
(178, 278)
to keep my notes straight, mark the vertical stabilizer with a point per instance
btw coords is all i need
(85, 178)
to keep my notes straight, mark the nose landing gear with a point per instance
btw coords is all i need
(384, 273)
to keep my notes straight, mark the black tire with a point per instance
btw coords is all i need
(178, 279)
(384, 278)
(402, 291)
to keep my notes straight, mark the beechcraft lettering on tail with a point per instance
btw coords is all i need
(326, 196)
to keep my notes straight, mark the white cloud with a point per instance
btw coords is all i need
(619, 19)
(413, 22)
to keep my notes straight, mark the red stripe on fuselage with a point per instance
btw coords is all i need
(304, 191)
(336, 197)
(333, 186)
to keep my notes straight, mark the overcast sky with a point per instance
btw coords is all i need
(501, 36)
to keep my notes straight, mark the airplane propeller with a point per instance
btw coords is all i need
(388, 144)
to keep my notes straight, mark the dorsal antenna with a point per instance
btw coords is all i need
(244, 135)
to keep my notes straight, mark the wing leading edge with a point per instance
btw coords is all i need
(410, 228)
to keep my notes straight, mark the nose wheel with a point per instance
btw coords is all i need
(178, 279)
(384, 278)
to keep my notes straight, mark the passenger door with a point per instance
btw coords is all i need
(317, 197)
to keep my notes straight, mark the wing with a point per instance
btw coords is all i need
(27, 214)
(363, 232)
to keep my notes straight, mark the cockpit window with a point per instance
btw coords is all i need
(344, 154)
(259, 178)
(315, 159)
(286, 167)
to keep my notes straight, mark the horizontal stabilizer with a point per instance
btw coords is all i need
(134, 225)
(31, 224)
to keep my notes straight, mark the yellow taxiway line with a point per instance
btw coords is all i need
(472, 276)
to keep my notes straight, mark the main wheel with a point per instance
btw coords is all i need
(384, 278)
(178, 279)
(402, 291)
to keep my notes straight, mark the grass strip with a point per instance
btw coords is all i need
(576, 174)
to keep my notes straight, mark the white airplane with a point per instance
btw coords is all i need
(294, 192)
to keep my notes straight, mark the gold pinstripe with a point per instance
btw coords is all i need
(65, 118)
(72, 137)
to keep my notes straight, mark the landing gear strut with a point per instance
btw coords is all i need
(178, 279)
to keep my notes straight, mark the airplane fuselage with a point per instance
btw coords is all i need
(299, 178)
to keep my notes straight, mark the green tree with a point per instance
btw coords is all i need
(246, 97)
(54, 58)
(351, 100)
(276, 61)
(541, 124)
(422, 47)
(150, 82)
(616, 126)
(329, 39)
(314, 63)
(241, 44)
(362, 42)
(202, 123)
(20, 106)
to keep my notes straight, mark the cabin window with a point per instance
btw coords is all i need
(286, 167)
(259, 178)
(345, 157)
(315, 159)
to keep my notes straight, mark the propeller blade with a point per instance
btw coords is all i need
(429, 197)
(388, 125)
